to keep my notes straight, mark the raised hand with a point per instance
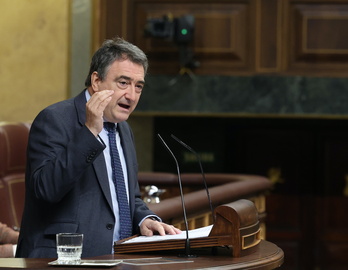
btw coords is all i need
(95, 110)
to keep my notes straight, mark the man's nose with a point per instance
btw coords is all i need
(131, 94)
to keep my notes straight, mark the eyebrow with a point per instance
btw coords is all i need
(129, 79)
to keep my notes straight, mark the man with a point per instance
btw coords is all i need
(69, 179)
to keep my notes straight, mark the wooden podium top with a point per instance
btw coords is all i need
(267, 256)
(236, 226)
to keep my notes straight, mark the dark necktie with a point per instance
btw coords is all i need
(118, 179)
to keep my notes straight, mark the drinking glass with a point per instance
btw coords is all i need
(69, 248)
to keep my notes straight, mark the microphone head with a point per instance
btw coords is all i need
(183, 144)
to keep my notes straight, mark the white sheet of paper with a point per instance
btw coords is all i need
(196, 233)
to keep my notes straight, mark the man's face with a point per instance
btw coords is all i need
(127, 80)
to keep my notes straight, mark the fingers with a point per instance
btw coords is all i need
(100, 99)
(149, 227)
(95, 108)
(145, 227)
(160, 228)
(176, 230)
(170, 229)
(146, 232)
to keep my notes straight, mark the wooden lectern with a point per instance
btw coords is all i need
(236, 226)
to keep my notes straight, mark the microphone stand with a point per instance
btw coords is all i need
(214, 249)
(187, 242)
(202, 172)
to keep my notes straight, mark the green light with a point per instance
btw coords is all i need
(184, 32)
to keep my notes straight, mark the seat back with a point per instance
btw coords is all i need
(13, 146)
(5, 214)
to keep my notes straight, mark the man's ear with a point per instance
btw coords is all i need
(95, 80)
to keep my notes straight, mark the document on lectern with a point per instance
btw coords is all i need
(196, 233)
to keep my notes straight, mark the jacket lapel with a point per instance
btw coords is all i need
(100, 170)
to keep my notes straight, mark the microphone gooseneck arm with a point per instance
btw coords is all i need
(187, 243)
(202, 172)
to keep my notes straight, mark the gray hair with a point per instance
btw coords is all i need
(112, 50)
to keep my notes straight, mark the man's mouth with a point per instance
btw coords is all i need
(125, 106)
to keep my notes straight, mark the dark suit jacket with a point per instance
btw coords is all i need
(67, 188)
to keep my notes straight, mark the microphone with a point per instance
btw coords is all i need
(202, 172)
(187, 242)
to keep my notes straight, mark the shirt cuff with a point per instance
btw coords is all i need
(152, 217)
(14, 250)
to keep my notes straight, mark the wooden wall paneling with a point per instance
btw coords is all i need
(111, 18)
(318, 40)
(98, 24)
(268, 35)
(222, 39)
(241, 37)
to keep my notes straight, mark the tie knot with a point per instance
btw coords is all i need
(110, 127)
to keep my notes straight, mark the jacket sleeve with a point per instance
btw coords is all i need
(58, 154)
